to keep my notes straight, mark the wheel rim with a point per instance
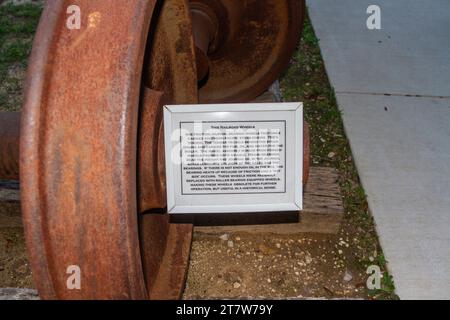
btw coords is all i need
(78, 155)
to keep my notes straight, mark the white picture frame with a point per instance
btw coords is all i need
(256, 114)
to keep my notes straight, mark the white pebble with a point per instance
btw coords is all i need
(348, 276)
(224, 237)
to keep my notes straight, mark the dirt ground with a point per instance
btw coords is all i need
(270, 265)
(14, 268)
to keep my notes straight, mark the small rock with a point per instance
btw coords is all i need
(22, 269)
(224, 237)
(265, 249)
(236, 285)
(308, 259)
(331, 155)
(278, 245)
(230, 244)
(238, 239)
(348, 276)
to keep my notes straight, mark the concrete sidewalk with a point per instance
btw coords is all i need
(393, 87)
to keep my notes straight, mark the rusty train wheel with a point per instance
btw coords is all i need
(78, 160)
(251, 48)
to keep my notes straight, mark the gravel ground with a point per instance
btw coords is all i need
(270, 265)
(14, 268)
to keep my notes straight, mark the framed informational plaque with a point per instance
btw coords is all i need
(234, 157)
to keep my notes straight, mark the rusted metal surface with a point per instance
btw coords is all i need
(241, 47)
(170, 61)
(78, 155)
(151, 161)
(9, 145)
(167, 248)
(255, 42)
(205, 27)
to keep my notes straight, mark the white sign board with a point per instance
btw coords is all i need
(234, 157)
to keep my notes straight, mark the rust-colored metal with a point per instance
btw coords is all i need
(205, 27)
(79, 159)
(170, 62)
(151, 168)
(167, 247)
(254, 44)
(241, 47)
(9, 145)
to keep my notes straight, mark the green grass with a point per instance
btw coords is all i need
(15, 51)
(307, 81)
(17, 27)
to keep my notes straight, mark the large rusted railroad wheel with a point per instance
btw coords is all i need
(91, 154)
(79, 160)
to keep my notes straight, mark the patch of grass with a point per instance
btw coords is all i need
(308, 35)
(26, 10)
(307, 81)
(18, 24)
(25, 26)
(19, 20)
(15, 51)
(3, 99)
